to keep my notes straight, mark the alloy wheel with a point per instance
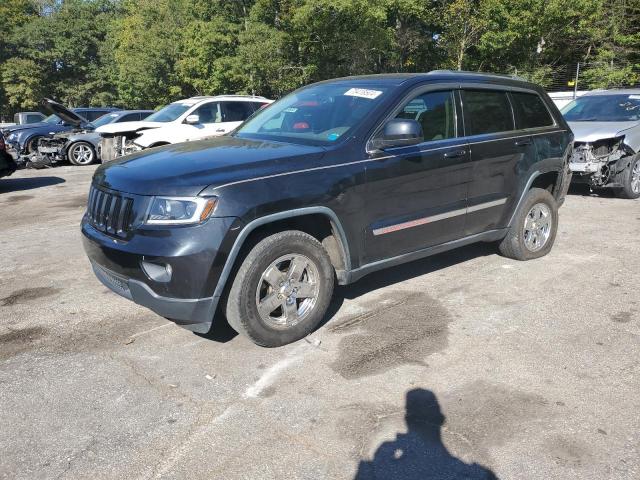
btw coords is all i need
(635, 177)
(537, 227)
(82, 154)
(288, 291)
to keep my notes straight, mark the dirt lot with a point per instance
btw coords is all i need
(463, 364)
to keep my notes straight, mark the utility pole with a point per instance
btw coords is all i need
(575, 85)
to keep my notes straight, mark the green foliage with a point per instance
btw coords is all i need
(145, 53)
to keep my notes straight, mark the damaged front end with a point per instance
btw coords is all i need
(598, 163)
(51, 150)
(113, 146)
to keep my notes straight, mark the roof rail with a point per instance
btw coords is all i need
(484, 74)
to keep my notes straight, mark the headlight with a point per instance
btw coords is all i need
(180, 211)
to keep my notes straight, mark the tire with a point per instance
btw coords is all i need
(286, 315)
(81, 153)
(32, 145)
(520, 242)
(630, 180)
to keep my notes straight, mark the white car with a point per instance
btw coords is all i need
(190, 119)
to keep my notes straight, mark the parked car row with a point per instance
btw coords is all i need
(85, 135)
(22, 140)
(186, 120)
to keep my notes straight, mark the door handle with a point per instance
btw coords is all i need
(220, 130)
(455, 154)
(523, 142)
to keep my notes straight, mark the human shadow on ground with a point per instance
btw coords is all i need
(419, 454)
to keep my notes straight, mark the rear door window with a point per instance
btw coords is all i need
(236, 111)
(258, 105)
(486, 111)
(435, 111)
(530, 111)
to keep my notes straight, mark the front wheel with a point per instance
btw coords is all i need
(534, 227)
(630, 179)
(282, 289)
(81, 153)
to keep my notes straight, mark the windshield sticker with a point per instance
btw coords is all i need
(634, 97)
(363, 93)
(332, 137)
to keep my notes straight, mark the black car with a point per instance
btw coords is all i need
(332, 182)
(23, 139)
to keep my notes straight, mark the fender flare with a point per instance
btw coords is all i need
(252, 225)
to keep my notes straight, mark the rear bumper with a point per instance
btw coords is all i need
(195, 255)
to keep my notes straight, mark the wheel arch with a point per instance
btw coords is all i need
(75, 142)
(31, 138)
(262, 226)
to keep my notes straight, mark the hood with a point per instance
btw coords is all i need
(124, 127)
(185, 169)
(54, 108)
(593, 131)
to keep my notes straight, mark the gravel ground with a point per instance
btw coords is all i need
(464, 365)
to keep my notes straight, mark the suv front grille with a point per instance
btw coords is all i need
(110, 212)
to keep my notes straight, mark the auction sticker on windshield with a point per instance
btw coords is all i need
(363, 92)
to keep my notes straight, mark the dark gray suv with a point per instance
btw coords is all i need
(332, 182)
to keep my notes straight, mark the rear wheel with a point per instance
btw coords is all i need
(81, 153)
(630, 179)
(534, 228)
(282, 289)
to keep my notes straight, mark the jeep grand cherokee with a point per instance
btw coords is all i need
(334, 181)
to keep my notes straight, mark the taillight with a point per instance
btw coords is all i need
(2, 145)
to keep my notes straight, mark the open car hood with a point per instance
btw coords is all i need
(51, 107)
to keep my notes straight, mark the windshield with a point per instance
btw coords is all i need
(603, 108)
(104, 120)
(52, 119)
(169, 113)
(318, 115)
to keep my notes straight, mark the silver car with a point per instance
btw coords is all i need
(606, 149)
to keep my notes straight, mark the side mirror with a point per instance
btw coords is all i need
(192, 119)
(399, 132)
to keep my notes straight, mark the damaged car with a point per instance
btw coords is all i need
(606, 149)
(182, 121)
(80, 146)
(22, 140)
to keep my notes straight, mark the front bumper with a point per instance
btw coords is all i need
(585, 167)
(196, 255)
